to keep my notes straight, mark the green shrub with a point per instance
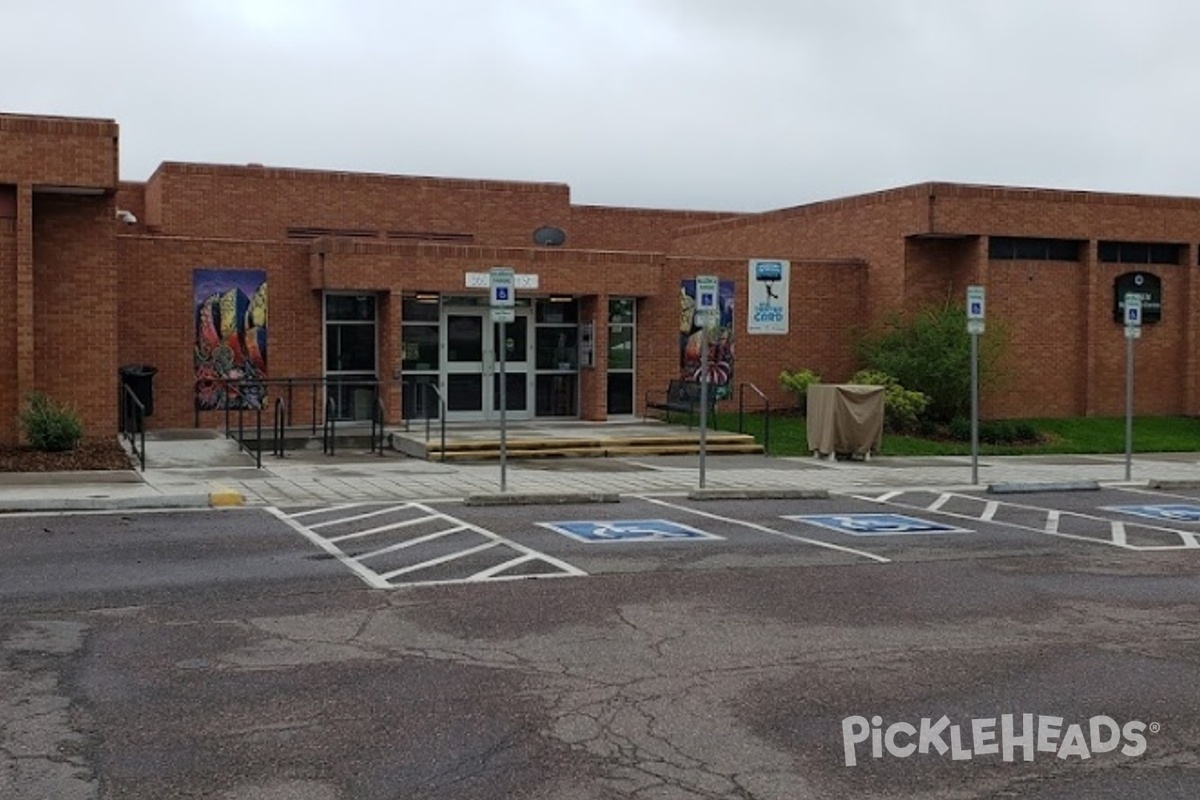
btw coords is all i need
(48, 426)
(998, 431)
(931, 351)
(902, 408)
(797, 383)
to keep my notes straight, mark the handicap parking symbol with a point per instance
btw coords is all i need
(628, 530)
(876, 524)
(1172, 512)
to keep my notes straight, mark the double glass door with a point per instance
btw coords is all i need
(472, 345)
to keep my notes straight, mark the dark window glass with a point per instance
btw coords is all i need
(515, 393)
(556, 396)
(464, 338)
(420, 346)
(352, 400)
(557, 347)
(547, 311)
(414, 310)
(620, 310)
(464, 392)
(347, 307)
(350, 347)
(620, 393)
(1140, 252)
(620, 348)
(516, 340)
(1010, 248)
(1165, 253)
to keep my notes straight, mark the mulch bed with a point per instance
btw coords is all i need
(102, 454)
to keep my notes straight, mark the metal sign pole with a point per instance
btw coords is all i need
(703, 397)
(1128, 404)
(503, 409)
(974, 409)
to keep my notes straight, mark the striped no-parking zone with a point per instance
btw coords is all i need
(411, 544)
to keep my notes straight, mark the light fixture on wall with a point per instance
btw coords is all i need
(560, 298)
(126, 216)
(427, 298)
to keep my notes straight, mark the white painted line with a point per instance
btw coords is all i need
(765, 529)
(382, 529)
(392, 548)
(1052, 518)
(1118, 533)
(570, 569)
(357, 517)
(368, 576)
(883, 498)
(491, 572)
(941, 501)
(433, 562)
(326, 510)
(989, 511)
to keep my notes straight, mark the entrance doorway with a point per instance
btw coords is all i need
(472, 344)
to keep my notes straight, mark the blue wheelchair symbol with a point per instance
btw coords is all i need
(1172, 512)
(876, 524)
(628, 530)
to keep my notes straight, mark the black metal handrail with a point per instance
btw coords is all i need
(329, 427)
(131, 405)
(766, 414)
(378, 417)
(441, 416)
(278, 429)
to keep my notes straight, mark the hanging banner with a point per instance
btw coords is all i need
(720, 337)
(767, 288)
(230, 354)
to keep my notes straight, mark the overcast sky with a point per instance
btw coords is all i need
(707, 104)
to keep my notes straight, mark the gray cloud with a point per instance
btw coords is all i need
(749, 105)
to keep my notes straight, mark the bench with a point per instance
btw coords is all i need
(682, 396)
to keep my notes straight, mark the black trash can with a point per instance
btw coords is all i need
(140, 379)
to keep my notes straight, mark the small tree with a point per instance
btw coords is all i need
(48, 426)
(930, 352)
(797, 383)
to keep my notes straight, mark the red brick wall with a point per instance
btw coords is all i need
(75, 306)
(603, 228)
(8, 327)
(52, 151)
(262, 203)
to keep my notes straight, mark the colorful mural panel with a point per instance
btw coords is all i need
(720, 338)
(231, 338)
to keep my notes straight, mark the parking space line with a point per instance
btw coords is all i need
(765, 529)
(358, 517)
(325, 510)
(367, 575)
(941, 501)
(990, 510)
(433, 562)
(496, 570)
(393, 548)
(1116, 537)
(382, 529)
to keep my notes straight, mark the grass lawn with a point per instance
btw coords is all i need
(1074, 435)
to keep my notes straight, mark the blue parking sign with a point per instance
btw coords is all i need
(876, 524)
(1171, 512)
(628, 530)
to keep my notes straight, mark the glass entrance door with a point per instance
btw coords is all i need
(472, 365)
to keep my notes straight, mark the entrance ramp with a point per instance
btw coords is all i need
(568, 439)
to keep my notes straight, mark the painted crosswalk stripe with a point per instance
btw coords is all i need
(941, 501)
(383, 528)
(1118, 533)
(357, 517)
(1052, 518)
(325, 510)
(989, 511)
(433, 562)
(393, 548)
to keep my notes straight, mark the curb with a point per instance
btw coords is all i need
(758, 494)
(108, 504)
(222, 497)
(1026, 488)
(539, 498)
(1174, 484)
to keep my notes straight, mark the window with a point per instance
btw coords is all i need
(556, 357)
(420, 350)
(1139, 252)
(622, 335)
(1013, 248)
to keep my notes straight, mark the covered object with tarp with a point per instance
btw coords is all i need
(845, 419)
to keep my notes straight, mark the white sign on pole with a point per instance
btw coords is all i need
(504, 315)
(975, 303)
(1133, 311)
(706, 292)
(503, 287)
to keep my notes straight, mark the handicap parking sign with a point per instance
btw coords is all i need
(1172, 512)
(876, 524)
(628, 530)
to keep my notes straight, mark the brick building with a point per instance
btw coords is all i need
(378, 285)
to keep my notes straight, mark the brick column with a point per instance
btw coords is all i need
(593, 381)
(390, 354)
(1191, 304)
(24, 320)
(1094, 319)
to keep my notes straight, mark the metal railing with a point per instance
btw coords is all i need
(278, 429)
(766, 414)
(329, 427)
(133, 423)
(378, 415)
(441, 417)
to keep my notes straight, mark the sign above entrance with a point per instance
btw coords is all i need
(502, 281)
(1146, 285)
(482, 280)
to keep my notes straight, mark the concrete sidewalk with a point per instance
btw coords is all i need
(202, 472)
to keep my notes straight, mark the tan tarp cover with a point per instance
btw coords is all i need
(845, 418)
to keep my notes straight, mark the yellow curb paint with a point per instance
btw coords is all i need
(224, 498)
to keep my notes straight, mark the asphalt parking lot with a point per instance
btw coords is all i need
(437, 542)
